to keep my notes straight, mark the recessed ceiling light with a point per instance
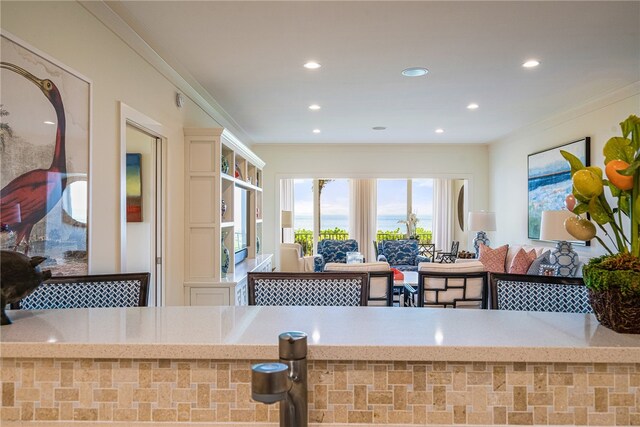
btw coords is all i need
(414, 72)
(439, 130)
(531, 63)
(316, 131)
(379, 128)
(312, 65)
(473, 106)
(314, 107)
(47, 122)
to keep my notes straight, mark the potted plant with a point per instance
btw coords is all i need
(613, 280)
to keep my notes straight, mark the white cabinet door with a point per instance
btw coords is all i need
(210, 296)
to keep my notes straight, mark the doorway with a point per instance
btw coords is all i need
(142, 200)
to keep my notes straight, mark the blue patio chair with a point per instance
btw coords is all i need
(401, 254)
(333, 251)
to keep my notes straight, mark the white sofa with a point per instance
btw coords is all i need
(513, 250)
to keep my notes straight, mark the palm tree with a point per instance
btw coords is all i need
(321, 184)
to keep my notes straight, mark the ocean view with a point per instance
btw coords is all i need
(385, 223)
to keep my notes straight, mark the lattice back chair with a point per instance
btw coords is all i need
(453, 290)
(380, 279)
(99, 290)
(522, 292)
(308, 289)
(449, 257)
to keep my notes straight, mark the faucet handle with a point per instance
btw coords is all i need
(292, 345)
(269, 382)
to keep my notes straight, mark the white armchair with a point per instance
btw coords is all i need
(291, 258)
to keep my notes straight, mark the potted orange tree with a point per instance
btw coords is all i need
(613, 280)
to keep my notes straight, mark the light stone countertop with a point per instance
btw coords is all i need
(335, 333)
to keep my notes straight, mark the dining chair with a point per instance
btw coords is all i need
(98, 290)
(448, 257)
(459, 285)
(525, 292)
(308, 289)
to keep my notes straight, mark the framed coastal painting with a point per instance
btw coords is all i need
(45, 118)
(549, 181)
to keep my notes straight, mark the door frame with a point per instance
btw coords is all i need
(130, 116)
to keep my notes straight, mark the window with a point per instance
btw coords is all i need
(392, 207)
(397, 198)
(334, 208)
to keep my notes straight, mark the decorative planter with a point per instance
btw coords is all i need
(615, 298)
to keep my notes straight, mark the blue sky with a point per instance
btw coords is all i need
(392, 197)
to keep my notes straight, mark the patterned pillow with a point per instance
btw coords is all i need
(534, 268)
(493, 259)
(522, 261)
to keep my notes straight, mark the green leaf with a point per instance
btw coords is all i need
(581, 208)
(598, 212)
(596, 170)
(623, 204)
(618, 148)
(631, 169)
(615, 191)
(574, 162)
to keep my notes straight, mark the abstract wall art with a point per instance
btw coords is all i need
(549, 181)
(134, 187)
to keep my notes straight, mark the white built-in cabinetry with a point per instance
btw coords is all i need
(206, 186)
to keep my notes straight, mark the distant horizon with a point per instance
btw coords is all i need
(384, 223)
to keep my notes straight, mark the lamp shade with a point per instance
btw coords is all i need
(482, 221)
(552, 226)
(286, 219)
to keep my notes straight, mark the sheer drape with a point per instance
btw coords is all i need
(286, 204)
(443, 213)
(362, 216)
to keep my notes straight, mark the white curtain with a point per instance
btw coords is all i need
(286, 204)
(362, 215)
(443, 213)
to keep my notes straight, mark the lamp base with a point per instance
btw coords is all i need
(481, 237)
(565, 258)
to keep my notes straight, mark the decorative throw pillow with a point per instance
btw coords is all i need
(534, 268)
(522, 261)
(493, 259)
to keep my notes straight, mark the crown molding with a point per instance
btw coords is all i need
(592, 105)
(183, 81)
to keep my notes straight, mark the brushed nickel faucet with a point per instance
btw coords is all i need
(285, 381)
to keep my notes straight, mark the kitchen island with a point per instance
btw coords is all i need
(367, 365)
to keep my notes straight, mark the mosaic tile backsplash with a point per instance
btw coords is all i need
(339, 392)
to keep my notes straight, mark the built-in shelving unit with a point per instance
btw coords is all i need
(207, 229)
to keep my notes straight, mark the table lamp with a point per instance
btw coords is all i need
(286, 221)
(481, 222)
(563, 256)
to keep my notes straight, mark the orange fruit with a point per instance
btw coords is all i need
(622, 182)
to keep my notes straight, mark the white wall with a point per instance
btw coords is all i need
(368, 161)
(67, 32)
(508, 158)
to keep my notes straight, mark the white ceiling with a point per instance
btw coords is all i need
(249, 56)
